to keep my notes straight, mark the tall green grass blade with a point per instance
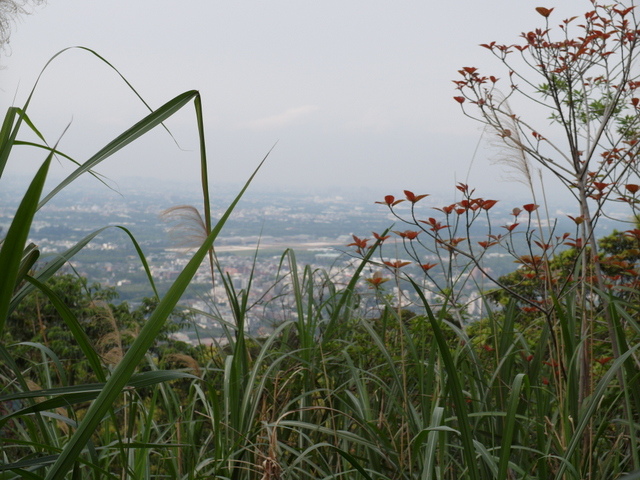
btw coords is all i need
(204, 176)
(8, 140)
(567, 316)
(66, 400)
(67, 396)
(13, 245)
(428, 469)
(488, 459)
(8, 134)
(517, 386)
(379, 342)
(25, 118)
(47, 352)
(48, 149)
(131, 134)
(590, 408)
(137, 380)
(348, 293)
(132, 358)
(29, 463)
(260, 374)
(630, 387)
(455, 389)
(84, 342)
(48, 270)
(30, 257)
(94, 53)
(354, 463)
(101, 178)
(41, 431)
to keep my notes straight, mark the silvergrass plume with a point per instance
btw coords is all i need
(110, 344)
(188, 227)
(506, 137)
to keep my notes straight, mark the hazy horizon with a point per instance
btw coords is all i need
(353, 95)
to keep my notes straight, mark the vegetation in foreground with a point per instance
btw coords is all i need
(545, 386)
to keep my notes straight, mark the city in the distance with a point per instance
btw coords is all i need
(250, 249)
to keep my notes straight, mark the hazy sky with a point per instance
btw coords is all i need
(355, 93)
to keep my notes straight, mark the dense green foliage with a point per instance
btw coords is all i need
(335, 394)
(110, 327)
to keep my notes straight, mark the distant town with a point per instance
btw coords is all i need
(250, 250)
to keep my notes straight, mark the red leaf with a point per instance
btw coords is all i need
(543, 246)
(488, 204)
(358, 242)
(537, 136)
(448, 209)
(427, 266)
(633, 233)
(435, 225)
(380, 238)
(455, 241)
(600, 186)
(604, 360)
(388, 200)
(414, 198)
(574, 243)
(397, 264)
(409, 234)
(376, 280)
(545, 12)
(459, 99)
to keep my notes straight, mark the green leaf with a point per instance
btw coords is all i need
(151, 121)
(13, 245)
(67, 396)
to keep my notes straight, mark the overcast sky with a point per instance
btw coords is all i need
(355, 92)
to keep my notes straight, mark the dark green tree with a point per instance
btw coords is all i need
(110, 326)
